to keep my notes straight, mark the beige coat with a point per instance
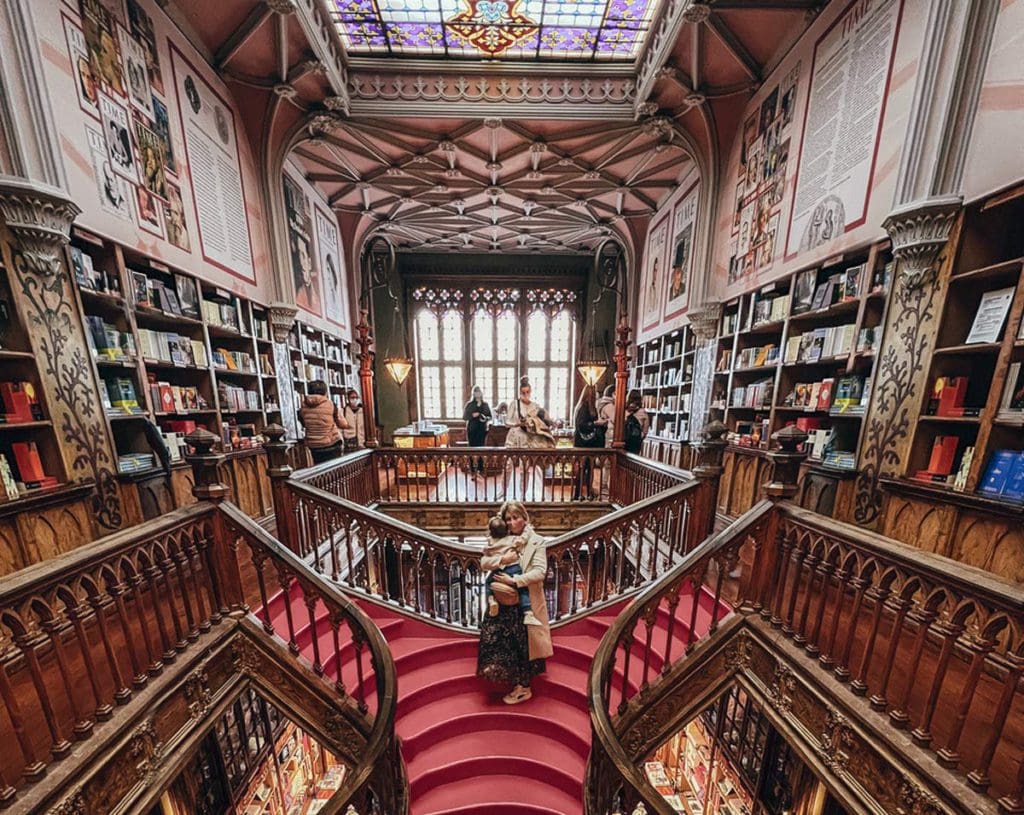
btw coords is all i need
(534, 562)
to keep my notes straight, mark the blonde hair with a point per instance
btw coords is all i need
(513, 506)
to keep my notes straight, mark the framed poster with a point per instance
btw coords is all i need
(116, 131)
(654, 283)
(86, 86)
(677, 283)
(300, 247)
(331, 267)
(215, 170)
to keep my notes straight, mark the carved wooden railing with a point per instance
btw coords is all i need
(83, 636)
(920, 644)
(380, 556)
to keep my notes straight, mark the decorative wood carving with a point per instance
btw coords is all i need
(910, 334)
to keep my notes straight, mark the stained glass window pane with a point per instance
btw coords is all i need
(484, 377)
(536, 337)
(558, 394)
(506, 385)
(607, 30)
(451, 325)
(429, 341)
(483, 336)
(507, 337)
(539, 385)
(561, 332)
(454, 392)
(430, 391)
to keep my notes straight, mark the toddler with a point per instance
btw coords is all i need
(500, 543)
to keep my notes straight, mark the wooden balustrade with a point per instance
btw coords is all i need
(442, 579)
(935, 645)
(84, 635)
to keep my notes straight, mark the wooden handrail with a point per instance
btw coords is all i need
(912, 632)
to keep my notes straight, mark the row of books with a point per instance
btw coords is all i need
(239, 436)
(1004, 475)
(821, 343)
(89, 277)
(224, 315)
(169, 346)
(266, 365)
(309, 371)
(669, 349)
(312, 346)
(179, 297)
(106, 341)
(811, 295)
(674, 376)
(769, 309)
(758, 356)
(756, 394)
(674, 429)
(235, 398)
(673, 402)
(336, 354)
(337, 378)
(19, 402)
(233, 360)
(168, 398)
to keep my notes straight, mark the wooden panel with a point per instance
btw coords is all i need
(989, 543)
(243, 475)
(48, 532)
(918, 523)
(155, 496)
(12, 556)
(181, 486)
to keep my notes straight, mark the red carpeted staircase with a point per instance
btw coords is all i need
(467, 752)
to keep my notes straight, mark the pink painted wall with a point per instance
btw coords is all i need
(249, 278)
(862, 228)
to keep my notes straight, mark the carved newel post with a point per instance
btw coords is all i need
(786, 462)
(365, 339)
(708, 471)
(622, 332)
(225, 571)
(280, 471)
(206, 466)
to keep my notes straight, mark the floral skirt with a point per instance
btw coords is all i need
(504, 656)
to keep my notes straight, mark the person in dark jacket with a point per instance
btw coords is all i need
(586, 433)
(477, 414)
(323, 422)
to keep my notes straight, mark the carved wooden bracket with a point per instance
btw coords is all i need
(282, 318)
(919, 230)
(39, 219)
(704, 320)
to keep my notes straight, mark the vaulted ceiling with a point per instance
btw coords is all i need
(511, 156)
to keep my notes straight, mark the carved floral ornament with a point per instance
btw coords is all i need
(39, 219)
(919, 231)
(704, 320)
(282, 318)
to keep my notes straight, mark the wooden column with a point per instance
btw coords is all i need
(622, 358)
(280, 471)
(366, 354)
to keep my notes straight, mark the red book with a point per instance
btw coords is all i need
(943, 453)
(17, 402)
(948, 394)
(30, 466)
(825, 394)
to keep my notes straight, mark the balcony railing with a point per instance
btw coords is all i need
(929, 652)
(84, 635)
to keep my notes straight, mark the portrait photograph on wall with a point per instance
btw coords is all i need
(331, 270)
(300, 247)
(677, 283)
(654, 281)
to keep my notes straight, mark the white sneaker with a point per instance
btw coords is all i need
(529, 619)
(518, 694)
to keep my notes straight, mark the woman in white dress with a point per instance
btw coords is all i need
(528, 429)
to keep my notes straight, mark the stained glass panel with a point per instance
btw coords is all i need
(606, 30)
(428, 338)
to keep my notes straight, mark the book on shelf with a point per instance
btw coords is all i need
(803, 290)
(990, 316)
(1013, 391)
(1004, 469)
(30, 466)
(848, 394)
(940, 462)
(140, 289)
(135, 462)
(960, 481)
(850, 283)
(824, 401)
(8, 485)
(866, 340)
(947, 396)
(19, 403)
(187, 296)
(882, 277)
(122, 395)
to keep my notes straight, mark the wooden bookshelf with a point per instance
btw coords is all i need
(989, 258)
(35, 429)
(764, 377)
(663, 376)
(317, 354)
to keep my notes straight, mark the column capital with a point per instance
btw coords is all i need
(919, 231)
(282, 318)
(704, 320)
(39, 218)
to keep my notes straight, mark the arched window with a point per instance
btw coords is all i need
(440, 351)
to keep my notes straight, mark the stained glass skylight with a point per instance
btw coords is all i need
(600, 30)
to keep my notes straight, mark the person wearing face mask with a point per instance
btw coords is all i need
(354, 435)
(477, 414)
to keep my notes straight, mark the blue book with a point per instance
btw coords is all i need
(998, 471)
(1014, 487)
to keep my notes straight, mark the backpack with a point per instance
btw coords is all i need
(634, 434)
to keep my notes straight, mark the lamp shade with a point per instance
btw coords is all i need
(398, 367)
(591, 371)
